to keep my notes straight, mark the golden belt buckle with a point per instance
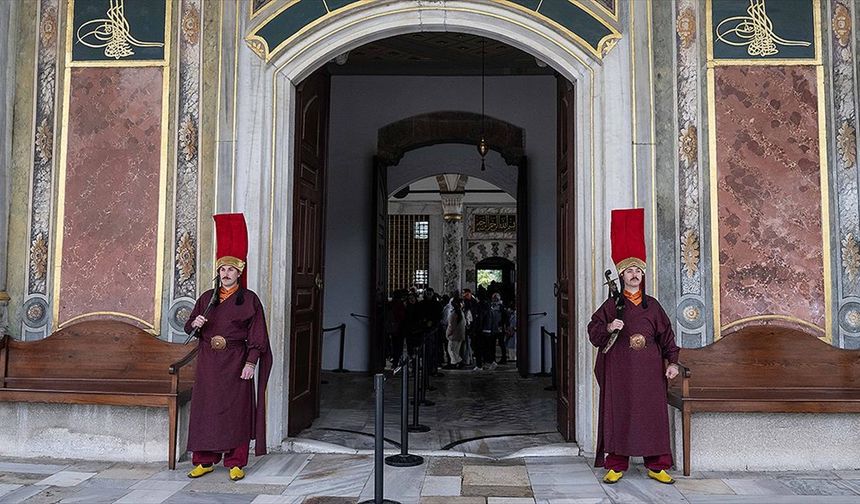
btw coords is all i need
(218, 343)
(637, 342)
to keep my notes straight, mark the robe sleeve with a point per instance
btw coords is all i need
(666, 336)
(199, 308)
(258, 335)
(597, 332)
(258, 348)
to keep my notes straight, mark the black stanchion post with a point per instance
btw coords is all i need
(543, 335)
(425, 377)
(553, 345)
(340, 368)
(379, 435)
(404, 458)
(416, 399)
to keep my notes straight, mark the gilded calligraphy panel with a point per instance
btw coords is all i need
(763, 30)
(113, 30)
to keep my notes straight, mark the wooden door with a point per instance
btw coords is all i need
(379, 262)
(312, 104)
(522, 270)
(566, 258)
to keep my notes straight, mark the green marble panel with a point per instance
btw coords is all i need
(528, 4)
(570, 16)
(576, 20)
(290, 21)
(337, 4)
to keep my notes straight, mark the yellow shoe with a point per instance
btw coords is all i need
(236, 473)
(200, 470)
(612, 477)
(662, 476)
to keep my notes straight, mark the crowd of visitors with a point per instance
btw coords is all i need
(460, 331)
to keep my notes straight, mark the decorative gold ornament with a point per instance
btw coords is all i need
(48, 27)
(182, 314)
(853, 318)
(846, 143)
(686, 27)
(35, 312)
(608, 44)
(185, 257)
(218, 343)
(842, 24)
(689, 144)
(637, 342)
(188, 138)
(691, 313)
(39, 257)
(690, 252)
(191, 25)
(45, 141)
(258, 46)
(851, 256)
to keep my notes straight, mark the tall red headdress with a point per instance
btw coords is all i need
(231, 238)
(628, 238)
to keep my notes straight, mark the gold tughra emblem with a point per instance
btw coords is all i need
(113, 33)
(754, 31)
(637, 342)
(218, 343)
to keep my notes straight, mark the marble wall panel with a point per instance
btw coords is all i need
(186, 252)
(111, 198)
(769, 193)
(36, 317)
(692, 265)
(843, 154)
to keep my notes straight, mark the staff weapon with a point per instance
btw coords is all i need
(213, 302)
(619, 306)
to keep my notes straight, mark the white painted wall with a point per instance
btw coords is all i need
(360, 105)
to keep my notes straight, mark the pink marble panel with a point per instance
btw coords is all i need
(769, 193)
(111, 198)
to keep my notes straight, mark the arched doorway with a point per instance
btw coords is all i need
(441, 128)
(496, 275)
(266, 159)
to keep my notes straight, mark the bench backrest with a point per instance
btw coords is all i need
(770, 356)
(97, 350)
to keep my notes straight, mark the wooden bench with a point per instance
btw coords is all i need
(765, 369)
(100, 362)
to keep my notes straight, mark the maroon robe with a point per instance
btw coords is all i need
(634, 419)
(223, 411)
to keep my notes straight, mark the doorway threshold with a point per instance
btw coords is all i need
(350, 447)
(493, 414)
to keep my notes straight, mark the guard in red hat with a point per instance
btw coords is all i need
(231, 326)
(633, 366)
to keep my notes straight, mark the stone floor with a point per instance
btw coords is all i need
(346, 479)
(492, 413)
(501, 450)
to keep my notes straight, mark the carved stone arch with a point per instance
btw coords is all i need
(479, 250)
(398, 138)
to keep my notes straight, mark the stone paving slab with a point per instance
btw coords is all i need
(344, 479)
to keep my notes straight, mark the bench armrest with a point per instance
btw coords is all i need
(685, 379)
(176, 366)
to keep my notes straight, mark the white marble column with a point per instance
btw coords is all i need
(8, 25)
